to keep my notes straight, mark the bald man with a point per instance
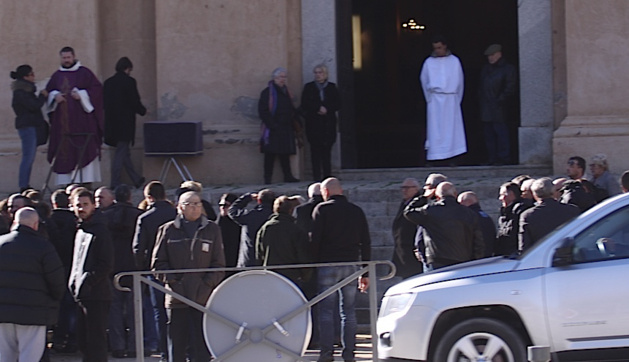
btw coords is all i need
(452, 232)
(469, 199)
(340, 233)
(32, 282)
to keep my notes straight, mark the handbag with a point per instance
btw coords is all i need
(43, 131)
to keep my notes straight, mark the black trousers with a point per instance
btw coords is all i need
(321, 156)
(91, 333)
(269, 161)
(185, 329)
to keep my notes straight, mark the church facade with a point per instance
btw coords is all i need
(209, 60)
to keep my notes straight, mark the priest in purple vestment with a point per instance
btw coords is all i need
(75, 100)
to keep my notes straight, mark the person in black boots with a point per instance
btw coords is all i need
(278, 115)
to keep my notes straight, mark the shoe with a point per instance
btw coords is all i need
(140, 182)
(131, 354)
(118, 354)
(291, 179)
(326, 357)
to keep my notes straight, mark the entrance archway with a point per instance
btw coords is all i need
(387, 125)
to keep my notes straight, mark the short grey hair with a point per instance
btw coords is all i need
(323, 67)
(543, 188)
(276, 72)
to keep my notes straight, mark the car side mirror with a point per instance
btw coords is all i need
(564, 254)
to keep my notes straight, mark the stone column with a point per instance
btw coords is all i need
(536, 81)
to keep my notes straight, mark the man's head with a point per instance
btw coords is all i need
(410, 188)
(598, 165)
(519, 179)
(575, 168)
(104, 197)
(225, 202)
(285, 205)
(67, 57)
(468, 198)
(525, 189)
(123, 64)
(331, 186)
(557, 185)
(493, 53)
(314, 189)
(266, 196)
(83, 204)
(542, 188)
(279, 76)
(509, 192)
(59, 199)
(445, 189)
(624, 181)
(439, 46)
(154, 191)
(432, 181)
(27, 216)
(190, 206)
(122, 193)
(16, 202)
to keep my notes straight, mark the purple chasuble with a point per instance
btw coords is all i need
(70, 119)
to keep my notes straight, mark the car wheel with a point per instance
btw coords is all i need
(480, 339)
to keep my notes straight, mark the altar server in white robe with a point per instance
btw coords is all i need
(441, 78)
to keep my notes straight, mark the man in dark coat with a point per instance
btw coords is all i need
(452, 233)
(340, 233)
(32, 282)
(280, 241)
(304, 211)
(277, 112)
(509, 220)
(403, 230)
(191, 241)
(229, 229)
(498, 84)
(64, 337)
(251, 221)
(122, 103)
(121, 219)
(320, 100)
(90, 278)
(545, 216)
(487, 226)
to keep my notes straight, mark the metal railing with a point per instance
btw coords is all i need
(140, 277)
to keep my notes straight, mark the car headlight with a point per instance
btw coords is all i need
(398, 303)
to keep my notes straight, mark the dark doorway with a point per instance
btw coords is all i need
(387, 123)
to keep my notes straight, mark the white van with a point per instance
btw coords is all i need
(570, 292)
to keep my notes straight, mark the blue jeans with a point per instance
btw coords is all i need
(28, 135)
(120, 318)
(346, 298)
(159, 314)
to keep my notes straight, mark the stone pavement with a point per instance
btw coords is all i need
(363, 353)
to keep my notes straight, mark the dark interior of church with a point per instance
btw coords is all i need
(384, 123)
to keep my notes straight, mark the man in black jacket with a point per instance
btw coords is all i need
(406, 263)
(160, 211)
(340, 233)
(498, 83)
(121, 220)
(32, 282)
(304, 211)
(251, 221)
(122, 103)
(509, 220)
(451, 231)
(90, 277)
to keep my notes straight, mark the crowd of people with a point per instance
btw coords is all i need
(433, 228)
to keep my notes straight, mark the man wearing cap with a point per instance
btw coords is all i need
(497, 87)
(441, 79)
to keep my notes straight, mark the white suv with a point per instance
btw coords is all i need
(570, 292)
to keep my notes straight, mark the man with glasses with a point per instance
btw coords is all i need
(404, 234)
(191, 241)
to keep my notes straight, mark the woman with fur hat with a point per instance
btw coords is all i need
(27, 107)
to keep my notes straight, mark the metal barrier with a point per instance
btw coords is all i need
(140, 277)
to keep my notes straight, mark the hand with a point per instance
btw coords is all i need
(363, 284)
(322, 111)
(44, 93)
(254, 196)
(75, 95)
(60, 98)
(419, 256)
